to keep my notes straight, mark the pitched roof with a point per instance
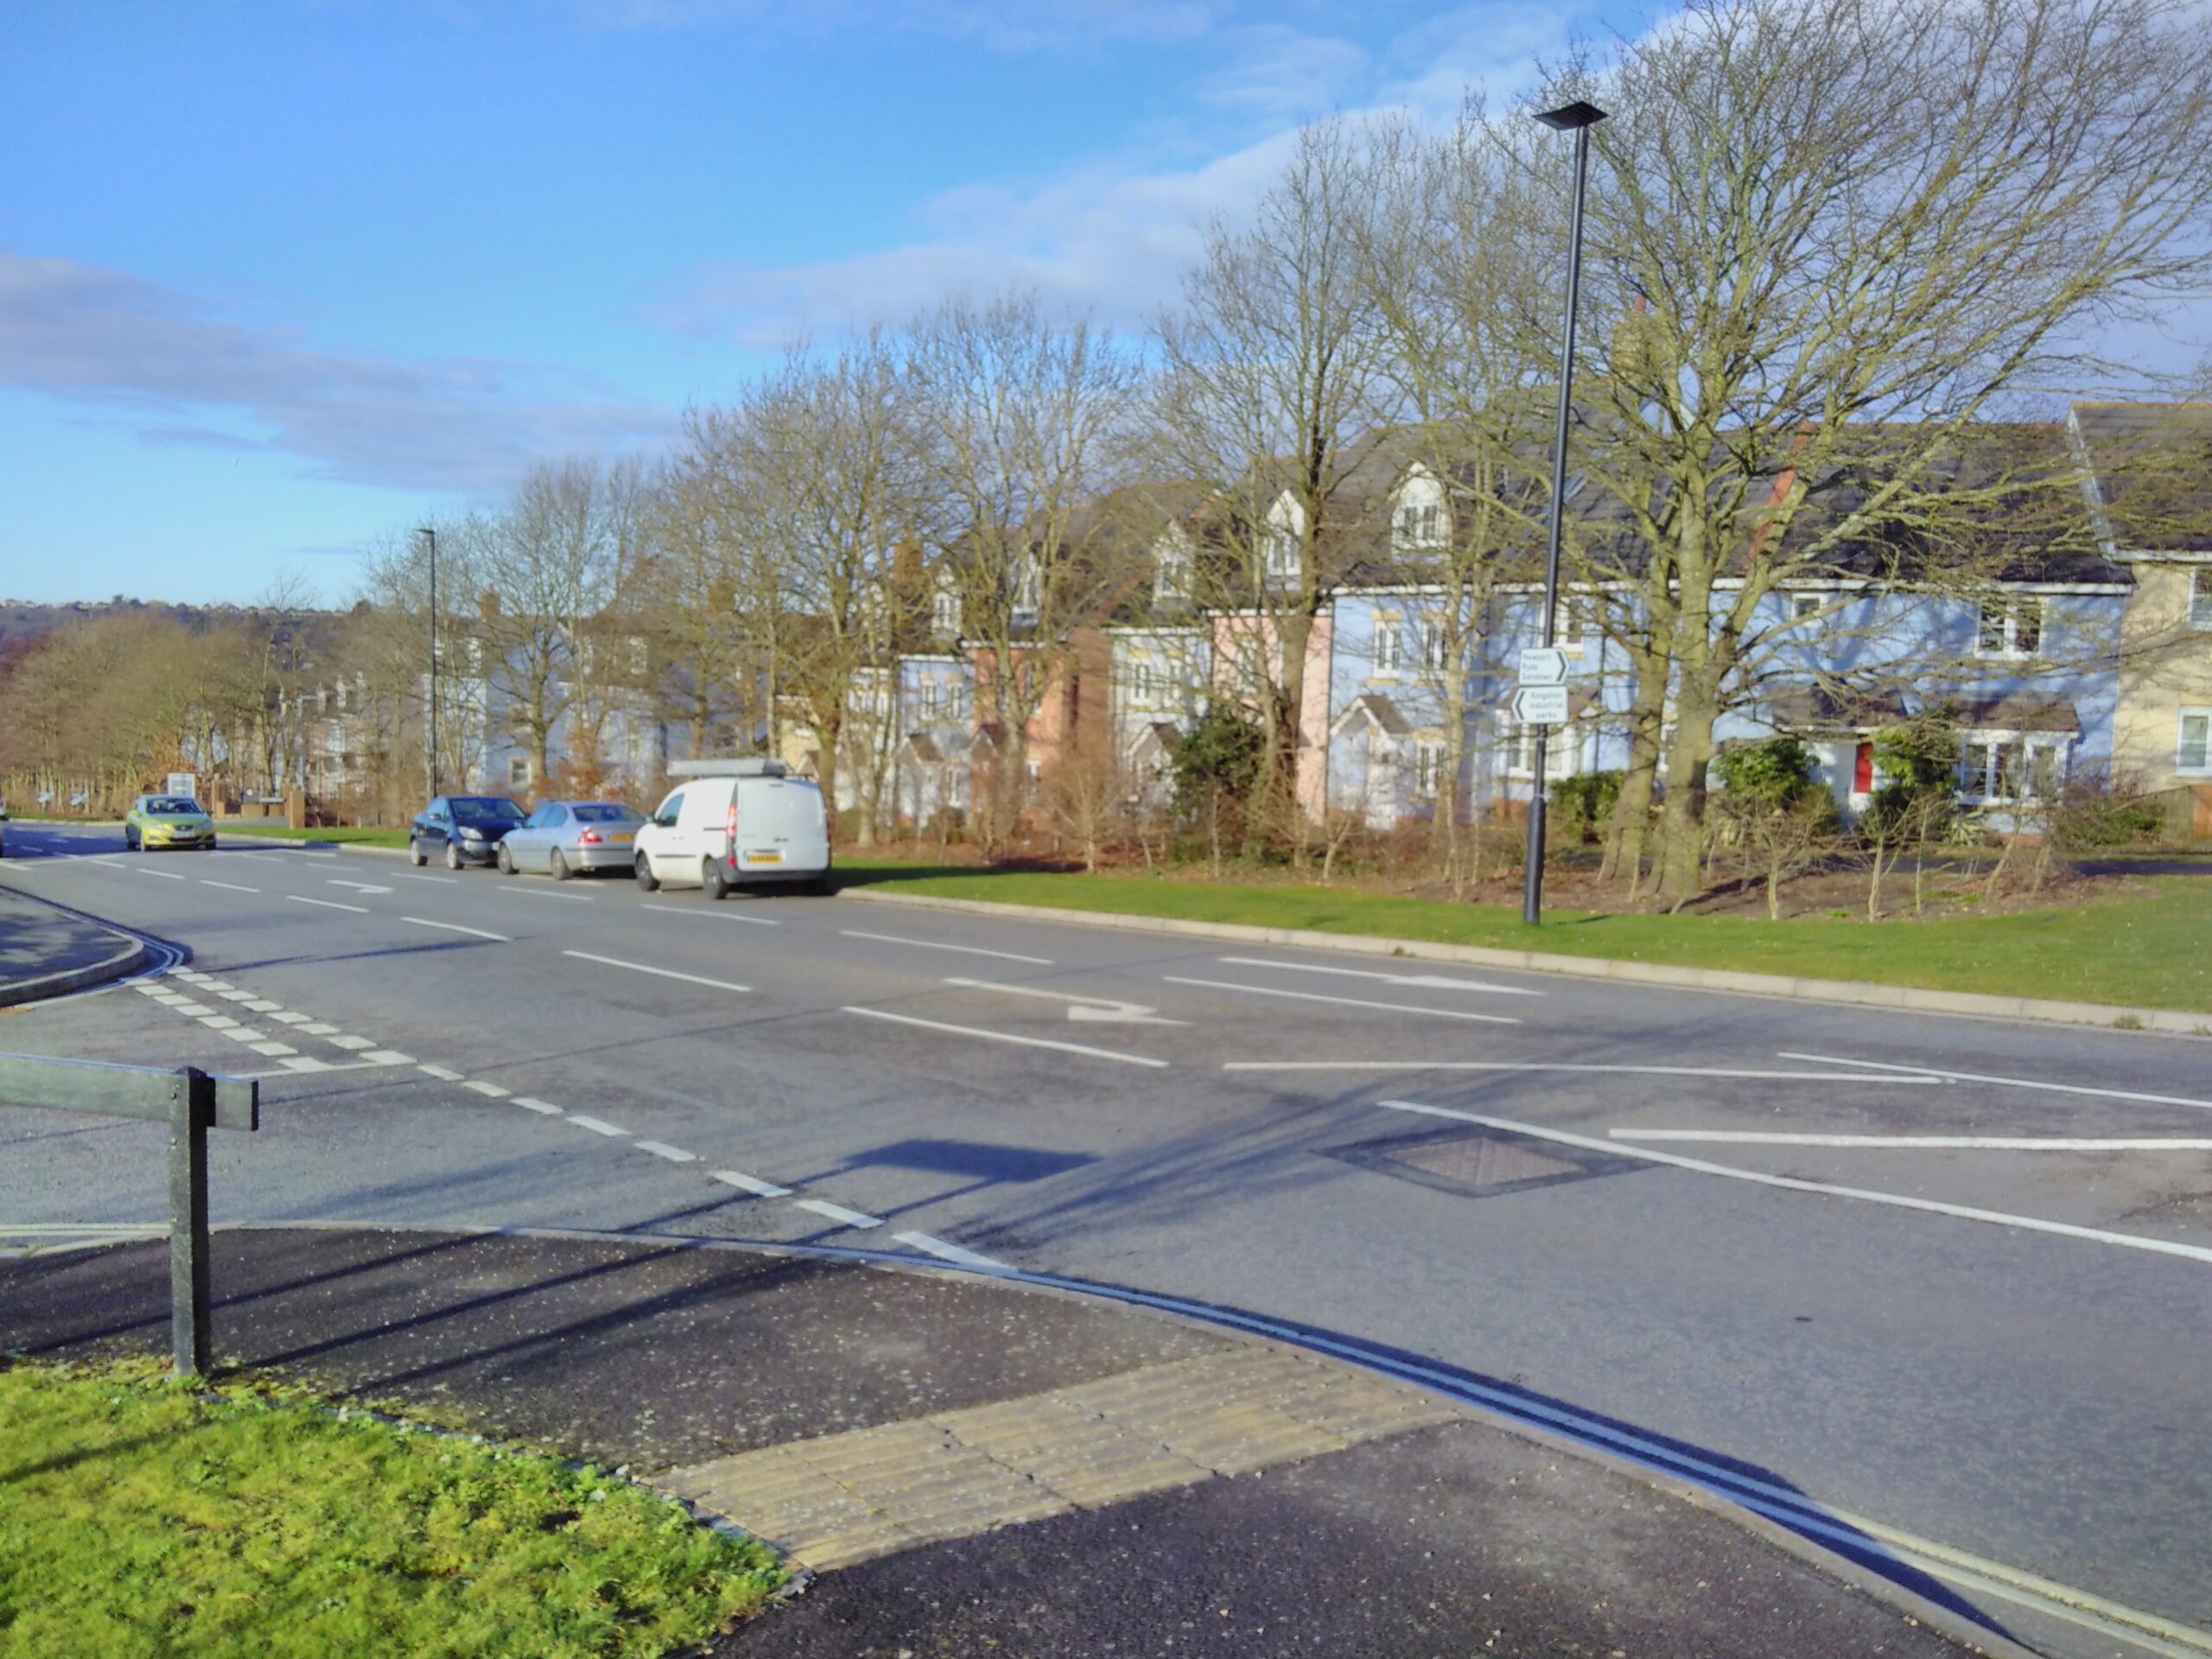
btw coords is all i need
(1375, 707)
(1812, 707)
(2018, 712)
(2150, 468)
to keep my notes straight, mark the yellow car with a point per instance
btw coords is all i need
(167, 820)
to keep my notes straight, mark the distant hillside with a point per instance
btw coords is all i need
(21, 621)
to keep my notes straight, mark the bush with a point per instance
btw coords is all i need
(2095, 810)
(1771, 776)
(1583, 803)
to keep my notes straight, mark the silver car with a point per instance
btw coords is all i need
(564, 837)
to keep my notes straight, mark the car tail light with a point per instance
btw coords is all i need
(589, 838)
(730, 825)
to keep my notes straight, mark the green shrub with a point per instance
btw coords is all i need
(1584, 803)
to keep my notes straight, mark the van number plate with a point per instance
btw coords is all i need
(765, 858)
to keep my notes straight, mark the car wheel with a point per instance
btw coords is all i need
(504, 860)
(645, 877)
(452, 854)
(556, 866)
(415, 855)
(712, 881)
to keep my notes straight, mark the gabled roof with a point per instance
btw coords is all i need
(1377, 709)
(2151, 473)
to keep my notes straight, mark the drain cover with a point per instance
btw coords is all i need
(1479, 1163)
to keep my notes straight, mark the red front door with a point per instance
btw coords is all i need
(1862, 770)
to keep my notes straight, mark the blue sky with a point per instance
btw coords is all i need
(276, 278)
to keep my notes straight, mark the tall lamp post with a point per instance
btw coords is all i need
(1578, 118)
(430, 709)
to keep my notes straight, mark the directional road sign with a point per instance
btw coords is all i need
(1543, 665)
(1540, 705)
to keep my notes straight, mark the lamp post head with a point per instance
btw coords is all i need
(1568, 116)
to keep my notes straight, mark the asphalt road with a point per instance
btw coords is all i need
(1981, 1348)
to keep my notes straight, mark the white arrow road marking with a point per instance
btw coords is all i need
(1097, 1009)
(358, 886)
(1433, 982)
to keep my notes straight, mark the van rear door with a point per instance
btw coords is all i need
(781, 828)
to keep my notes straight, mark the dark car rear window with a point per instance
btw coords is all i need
(594, 812)
(172, 803)
(468, 809)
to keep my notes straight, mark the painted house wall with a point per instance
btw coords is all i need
(2166, 672)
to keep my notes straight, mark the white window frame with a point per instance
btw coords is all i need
(520, 772)
(1389, 646)
(2201, 765)
(2197, 613)
(1517, 752)
(1436, 646)
(1979, 778)
(930, 691)
(1579, 620)
(1804, 608)
(641, 658)
(2011, 608)
(945, 611)
(1428, 767)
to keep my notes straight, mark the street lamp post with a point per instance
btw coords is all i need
(430, 709)
(1577, 117)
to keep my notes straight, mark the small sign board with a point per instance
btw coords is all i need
(1540, 705)
(1543, 665)
(182, 783)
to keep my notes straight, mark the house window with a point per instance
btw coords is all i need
(1576, 621)
(945, 611)
(1428, 767)
(929, 693)
(640, 659)
(1998, 766)
(1436, 646)
(518, 772)
(1420, 525)
(1029, 586)
(1390, 645)
(2200, 599)
(1517, 752)
(2011, 627)
(2194, 753)
(1803, 607)
(1282, 556)
(1171, 578)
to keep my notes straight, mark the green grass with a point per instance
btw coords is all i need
(355, 837)
(139, 1518)
(2146, 952)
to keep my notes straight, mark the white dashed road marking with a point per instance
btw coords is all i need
(662, 1149)
(838, 1213)
(455, 927)
(598, 1125)
(228, 887)
(712, 915)
(166, 875)
(1566, 1065)
(441, 1073)
(753, 1184)
(932, 944)
(1344, 1002)
(1006, 1036)
(530, 1103)
(544, 892)
(660, 973)
(342, 1040)
(490, 1089)
(388, 1057)
(327, 904)
(938, 1247)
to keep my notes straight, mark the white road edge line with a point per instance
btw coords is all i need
(753, 1184)
(451, 927)
(1911, 1142)
(1563, 1066)
(1344, 1002)
(1794, 1183)
(598, 1125)
(1006, 1036)
(658, 973)
(327, 904)
(1435, 982)
(837, 1212)
(932, 944)
(952, 1253)
(2010, 1082)
(711, 915)
(662, 1149)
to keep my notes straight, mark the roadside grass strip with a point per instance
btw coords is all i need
(250, 1520)
(1797, 1183)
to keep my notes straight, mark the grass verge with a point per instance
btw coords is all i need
(141, 1517)
(2146, 953)
(356, 837)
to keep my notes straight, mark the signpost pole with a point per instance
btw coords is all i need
(1577, 117)
(190, 1105)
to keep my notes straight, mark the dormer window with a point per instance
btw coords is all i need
(2010, 627)
(1028, 588)
(945, 611)
(1279, 541)
(1170, 577)
(1418, 522)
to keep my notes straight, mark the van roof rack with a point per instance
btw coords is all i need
(749, 766)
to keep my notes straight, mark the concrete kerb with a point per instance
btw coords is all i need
(1968, 1004)
(135, 955)
(1945, 1620)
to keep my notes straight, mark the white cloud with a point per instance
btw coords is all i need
(1007, 26)
(183, 374)
(1275, 70)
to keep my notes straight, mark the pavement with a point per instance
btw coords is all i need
(971, 1467)
(1866, 1271)
(46, 950)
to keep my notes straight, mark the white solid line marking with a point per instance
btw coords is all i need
(838, 1213)
(711, 915)
(597, 1125)
(938, 1247)
(327, 904)
(543, 893)
(228, 887)
(492, 1090)
(1562, 1065)
(1791, 1183)
(1006, 1036)
(387, 1057)
(1428, 981)
(531, 1104)
(343, 1041)
(166, 875)
(2011, 1083)
(932, 944)
(660, 973)
(455, 927)
(1911, 1142)
(441, 1073)
(662, 1149)
(753, 1184)
(1345, 1001)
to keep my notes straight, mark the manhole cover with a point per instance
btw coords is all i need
(1477, 1163)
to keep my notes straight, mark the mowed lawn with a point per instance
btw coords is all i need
(2152, 952)
(141, 1518)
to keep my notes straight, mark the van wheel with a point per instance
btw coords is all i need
(415, 855)
(712, 881)
(645, 880)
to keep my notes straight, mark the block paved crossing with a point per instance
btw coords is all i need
(844, 1498)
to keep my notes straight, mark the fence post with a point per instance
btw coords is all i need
(192, 1103)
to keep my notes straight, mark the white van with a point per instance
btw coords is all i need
(735, 824)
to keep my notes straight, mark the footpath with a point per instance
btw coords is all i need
(47, 951)
(959, 1466)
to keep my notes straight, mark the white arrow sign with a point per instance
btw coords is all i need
(1543, 665)
(1540, 705)
(1087, 1010)
(360, 886)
